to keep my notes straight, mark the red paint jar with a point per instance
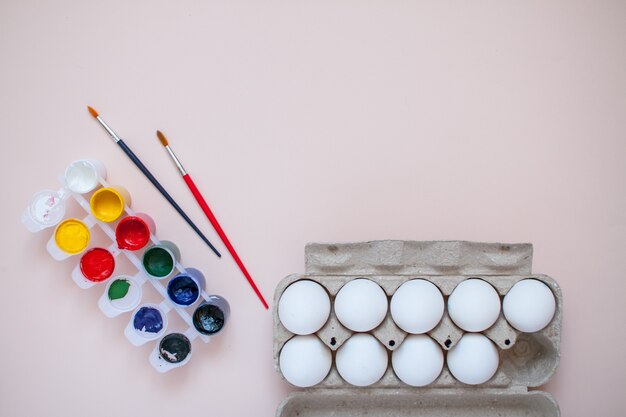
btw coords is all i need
(133, 232)
(97, 264)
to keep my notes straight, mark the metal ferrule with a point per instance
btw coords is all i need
(109, 130)
(176, 161)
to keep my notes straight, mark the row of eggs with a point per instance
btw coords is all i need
(362, 360)
(417, 306)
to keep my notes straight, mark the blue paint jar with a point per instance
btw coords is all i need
(185, 289)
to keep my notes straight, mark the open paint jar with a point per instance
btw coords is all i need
(84, 175)
(72, 236)
(133, 232)
(185, 289)
(175, 348)
(149, 321)
(210, 317)
(107, 204)
(97, 264)
(160, 260)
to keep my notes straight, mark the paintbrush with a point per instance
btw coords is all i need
(205, 207)
(149, 175)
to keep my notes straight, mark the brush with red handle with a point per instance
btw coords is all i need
(205, 207)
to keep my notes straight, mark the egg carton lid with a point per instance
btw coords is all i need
(394, 257)
(399, 257)
(383, 402)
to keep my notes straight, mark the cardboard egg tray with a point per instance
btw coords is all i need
(526, 359)
(140, 277)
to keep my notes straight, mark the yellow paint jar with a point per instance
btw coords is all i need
(107, 204)
(72, 236)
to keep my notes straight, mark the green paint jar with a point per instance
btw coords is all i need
(159, 261)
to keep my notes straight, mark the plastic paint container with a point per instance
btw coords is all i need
(107, 204)
(159, 260)
(72, 236)
(211, 316)
(123, 293)
(133, 232)
(84, 175)
(175, 348)
(46, 208)
(110, 208)
(97, 264)
(184, 289)
(149, 321)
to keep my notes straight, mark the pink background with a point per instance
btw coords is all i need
(310, 122)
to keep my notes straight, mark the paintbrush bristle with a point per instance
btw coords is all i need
(93, 112)
(162, 138)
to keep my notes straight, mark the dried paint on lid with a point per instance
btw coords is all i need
(47, 208)
(124, 294)
(148, 321)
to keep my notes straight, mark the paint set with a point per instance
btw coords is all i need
(131, 238)
(434, 328)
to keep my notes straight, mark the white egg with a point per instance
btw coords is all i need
(474, 359)
(305, 361)
(474, 305)
(304, 307)
(529, 305)
(361, 305)
(361, 360)
(418, 360)
(417, 306)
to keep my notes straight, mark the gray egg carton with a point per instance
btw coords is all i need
(526, 359)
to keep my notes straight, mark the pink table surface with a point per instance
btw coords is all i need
(310, 122)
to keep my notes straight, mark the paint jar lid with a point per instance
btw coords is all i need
(149, 321)
(46, 208)
(123, 293)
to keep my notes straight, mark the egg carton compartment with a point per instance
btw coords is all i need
(525, 359)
